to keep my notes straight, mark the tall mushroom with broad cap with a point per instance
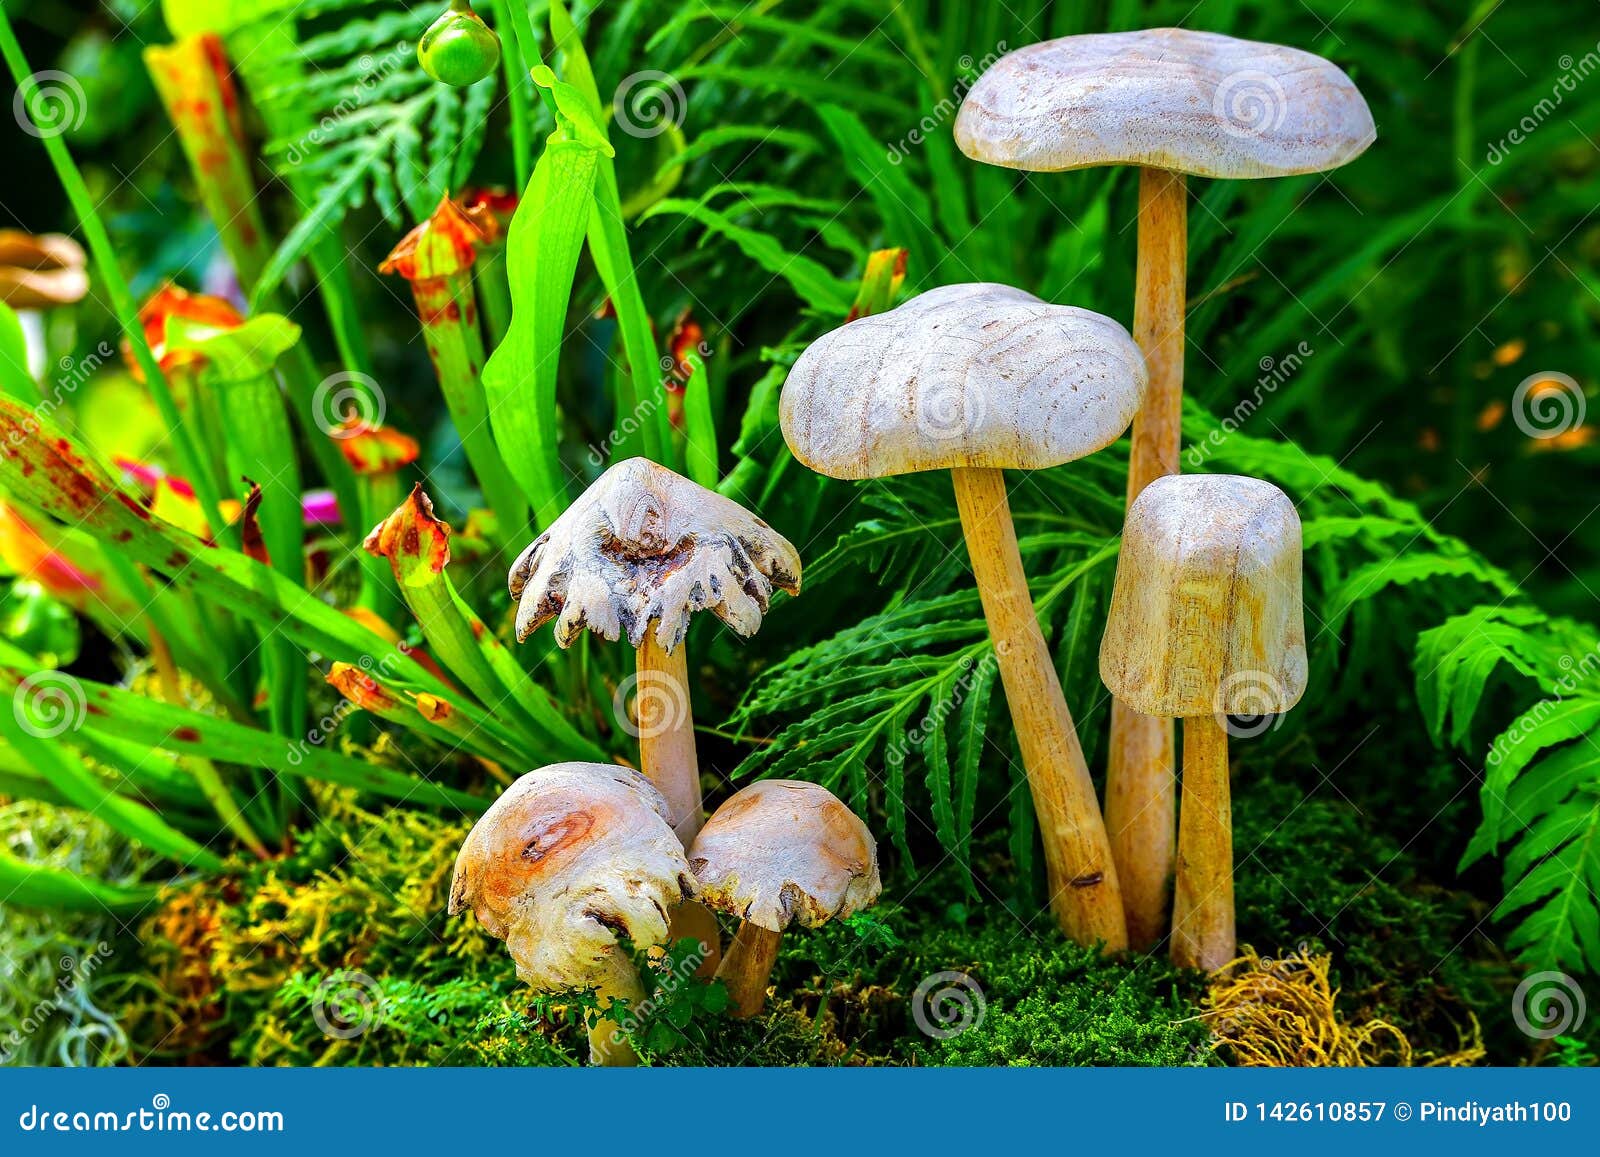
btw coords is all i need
(635, 557)
(978, 379)
(1172, 102)
(780, 852)
(1205, 623)
(569, 860)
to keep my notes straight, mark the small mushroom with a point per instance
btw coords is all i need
(1172, 102)
(40, 271)
(640, 552)
(978, 379)
(571, 859)
(1205, 623)
(777, 853)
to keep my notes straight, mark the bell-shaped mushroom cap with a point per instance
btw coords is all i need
(1205, 613)
(963, 375)
(1166, 98)
(572, 857)
(646, 545)
(781, 852)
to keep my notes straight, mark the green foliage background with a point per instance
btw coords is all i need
(1379, 319)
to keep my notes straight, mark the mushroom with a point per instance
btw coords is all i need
(641, 551)
(39, 271)
(977, 379)
(1172, 102)
(780, 852)
(1205, 623)
(571, 859)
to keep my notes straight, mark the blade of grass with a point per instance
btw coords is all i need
(417, 546)
(52, 889)
(608, 244)
(32, 732)
(54, 474)
(542, 249)
(114, 715)
(105, 258)
(699, 424)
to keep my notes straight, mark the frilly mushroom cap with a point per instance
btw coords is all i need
(571, 858)
(781, 852)
(963, 375)
(1206, 611)
(1166, 98)
(646, 545)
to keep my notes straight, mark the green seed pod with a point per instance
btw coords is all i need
(459, 48)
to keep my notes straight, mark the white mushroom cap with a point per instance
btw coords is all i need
(781, 852)
(1166, 98)
(646, 545)
(1206, 610)
(570, 858)
(963, 375)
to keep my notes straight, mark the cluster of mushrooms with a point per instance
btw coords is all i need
(1205, 620)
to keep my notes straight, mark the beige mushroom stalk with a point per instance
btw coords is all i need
(1206, 623)
(1172, 102)
(635, 557)
(780, 852)
(978, 379)
(568, 861)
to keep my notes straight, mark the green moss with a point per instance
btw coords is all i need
(1054, 1003)
(353, 925)
(1315, 872)
(63, 974)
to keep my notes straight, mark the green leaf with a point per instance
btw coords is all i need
(608, 243)
(542, 249)
(52, 889)
(56, 475)
(699, 424)
(45, 706)
(818, 288)
(14, 376)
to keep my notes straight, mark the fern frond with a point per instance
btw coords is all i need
(1541, 788)
(357, 118)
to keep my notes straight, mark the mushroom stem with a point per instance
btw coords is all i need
(668, 759)
(1082, 876)
(666, 733)
(747, 967)
(1141, 818)
(1202, 906)
(1140, 799)
(608, 1040)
